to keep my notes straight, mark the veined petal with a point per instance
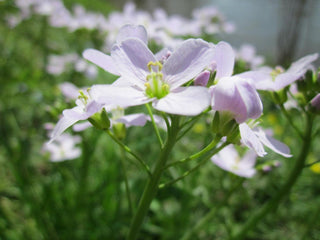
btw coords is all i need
(250, 98)
(249, 138)
(187, 101)
(132, 57)
(273, 144)
(61, 126)
(102, 60)
(83, 114)
(228, 159)
(237, 96)
(122, 82)
(261, 78)
(138, 119)
(224, 58)
(303, 64)
(79, 127)
(187, 62)
(132, 31)
(119, 96)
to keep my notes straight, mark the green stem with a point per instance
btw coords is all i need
(210, 146)
(212, 212)
(152, 186)
(163, 185)
(289, 118)
(310, 164)
(128, 150)
(154, 125)
(285, 189)
(126, 182)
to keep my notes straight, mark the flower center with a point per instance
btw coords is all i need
(276, 72)
(155, 86)
(117, 113)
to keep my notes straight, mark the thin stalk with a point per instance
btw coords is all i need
(211, 213)
(126, 182)
(154, 125)
(209, 147)
(128, 150)
(285, 189)
(289, 119)
(151, 188)
(310, 164)
(163, 185)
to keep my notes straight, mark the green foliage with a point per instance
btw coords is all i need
(86, 198)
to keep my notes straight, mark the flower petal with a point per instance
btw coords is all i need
(61, 126)
(119, 96)
(187, 62)
(249, 138)
(132, 57)
(273, 144)
(187, 101)
(102, 60)
(237, 96)
(138, 119)
(132, 31)
(224, 58)
(261, 78)
(79, 127)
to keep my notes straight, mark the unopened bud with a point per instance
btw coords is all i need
(100, 120)
(202, 79)
(315, 103)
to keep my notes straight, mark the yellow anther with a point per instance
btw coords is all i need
(156, 64)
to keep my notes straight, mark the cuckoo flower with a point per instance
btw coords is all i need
(255, 139)
(63, 148)
(274, 80)
(236, 96)
(105, 61)
(229, 160)
(86, 107)
(160, 83)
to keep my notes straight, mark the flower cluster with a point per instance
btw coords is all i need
(194, 77)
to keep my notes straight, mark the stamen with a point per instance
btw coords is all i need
(155, 86)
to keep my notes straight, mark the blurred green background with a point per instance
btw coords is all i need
(85, 198)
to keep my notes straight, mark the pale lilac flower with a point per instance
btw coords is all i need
(229, 160)
(58, 63)
(247, 53)
(223, 61)
(63, 148)
(255, 139)
(160, 84)
(232, 94)
(274, 80)
(86, 107)
(236, 96)
(105, 61)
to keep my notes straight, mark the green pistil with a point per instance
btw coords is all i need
(155, 86)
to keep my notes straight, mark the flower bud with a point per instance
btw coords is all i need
(202, 79)
(100, 120)
(119, 130)
(315, 103)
